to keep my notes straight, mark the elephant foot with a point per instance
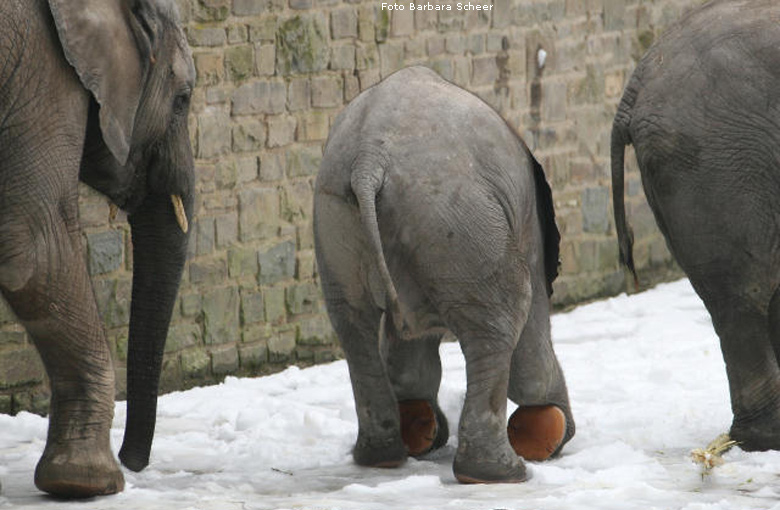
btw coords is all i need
(754, 436)
(537, 432)
(381, 453)
(418, 426)
(78, 469)
(475, 471)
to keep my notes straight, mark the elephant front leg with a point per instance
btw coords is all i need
(484, 454)
(57, 306)
(379, 431)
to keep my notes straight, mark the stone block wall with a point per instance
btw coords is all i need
(272, 75)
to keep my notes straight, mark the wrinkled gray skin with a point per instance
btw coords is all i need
(429, 211)
(702, 112)
(101, 95)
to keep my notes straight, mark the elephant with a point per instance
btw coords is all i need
(432, 216)
(701, 110)
(96, 91)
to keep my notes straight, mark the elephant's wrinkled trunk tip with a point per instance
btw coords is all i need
(181, 214)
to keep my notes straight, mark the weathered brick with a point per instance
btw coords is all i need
(264, 96)
(272, 166)
(213, 133)
(220, 316)
(106, 250)
(252, 306)
(281, 130)
(210, 68)
(275, 311)
(391, 58)
(277, 263)
(20, 366)
(484, 71)
(246, 169)
(298, 94)
(210, 10)
(206, 36)
(326, 91)
(595, 210)
(237, 34)
(6, 315)
(227, 229)
(254, 7)
(182, 336)
(242, 262)
(402, 23)
(265, 59)
(344, 23)
(302, 44)
(191, 304)
(113, 299)
(297, 200)
(195, 363)
(254, 355)
(315, 331)
(366, 29)
(342, 58)
(208, 272)
(263, 29)
(302, 298)
(248, 135)
(303, 161)
(258, 213)
(239, 62)
(312, 126)
(281, 346)
(224, 360)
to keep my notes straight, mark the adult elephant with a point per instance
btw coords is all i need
(431, 215)
(96, 90)
(702, 110)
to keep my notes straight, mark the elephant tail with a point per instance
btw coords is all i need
(367, 179)
(620, 138)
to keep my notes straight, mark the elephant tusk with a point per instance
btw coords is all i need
(113, 210)
(181, 214)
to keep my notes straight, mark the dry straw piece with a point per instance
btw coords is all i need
(711, 456)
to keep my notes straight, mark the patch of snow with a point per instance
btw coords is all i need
(647, 385)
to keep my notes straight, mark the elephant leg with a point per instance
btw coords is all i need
(543, 421)
(55, 303)
(379, 431)
(484, 454)
(414, 368)
(752, 369)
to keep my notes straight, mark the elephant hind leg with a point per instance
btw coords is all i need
(752, 369)
(379, 442)
(414, 369)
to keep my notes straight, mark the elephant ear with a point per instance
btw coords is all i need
(550, 235)
(104, 42)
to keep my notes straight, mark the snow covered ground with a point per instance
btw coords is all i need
(646, 380)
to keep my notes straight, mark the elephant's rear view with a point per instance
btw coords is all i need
(703, 113)
(431, 215)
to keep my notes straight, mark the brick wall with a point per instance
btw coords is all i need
(272, 74)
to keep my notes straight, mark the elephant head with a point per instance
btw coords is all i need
(134, 59)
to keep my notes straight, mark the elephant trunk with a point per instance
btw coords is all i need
(159, 253)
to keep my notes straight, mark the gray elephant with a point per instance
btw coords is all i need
(431, 215)
(702, 111)
(97, 91)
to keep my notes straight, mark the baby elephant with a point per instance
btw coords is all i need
(431, 215)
